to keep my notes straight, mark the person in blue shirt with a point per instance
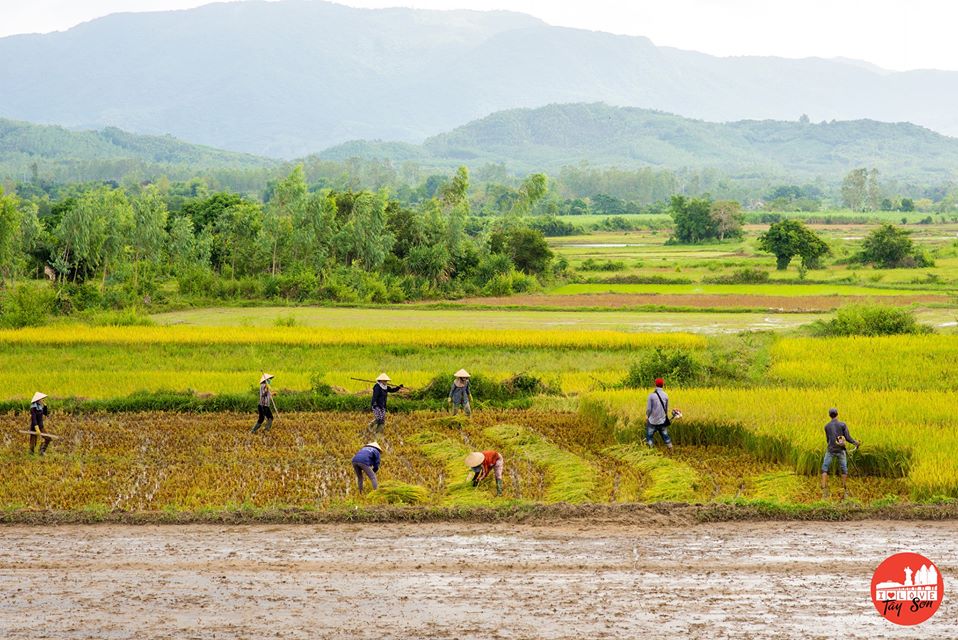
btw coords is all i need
(366, 462)
(836, 437)
(460, 396)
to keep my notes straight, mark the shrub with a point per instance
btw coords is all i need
(740, 276)
(871, 320)
(26, 306)
(590, 264)
(678, 367)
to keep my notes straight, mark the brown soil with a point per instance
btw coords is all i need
(579, 579)
(702, 301)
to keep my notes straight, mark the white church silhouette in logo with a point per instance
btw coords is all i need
(923, 587)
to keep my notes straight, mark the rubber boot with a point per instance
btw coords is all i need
(267, 426)
(498, 487)
(43, 446)
(256, 427)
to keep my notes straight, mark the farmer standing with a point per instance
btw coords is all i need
(657, 415)
(265, 399)
(366, 461)
(836, 435)
(460, 397)
(482, 462)
(380, 391)
(37, 411)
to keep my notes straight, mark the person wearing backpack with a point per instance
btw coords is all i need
(657, 415)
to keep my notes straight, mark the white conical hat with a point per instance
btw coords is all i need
(266, 376)
(474, 459)
(38, 396)
(462, 373)
(383, 378)
(376, 445)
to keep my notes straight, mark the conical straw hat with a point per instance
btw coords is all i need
(474, 459)
(38, 396)
(266, 376)
(383, 378)
(462, 373)
(375, 445)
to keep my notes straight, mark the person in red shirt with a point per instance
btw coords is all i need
(482, 462)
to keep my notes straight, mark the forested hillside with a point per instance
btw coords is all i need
(559, 135)
(31, 150)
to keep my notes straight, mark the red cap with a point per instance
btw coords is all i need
(659, 382)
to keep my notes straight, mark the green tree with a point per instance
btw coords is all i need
(9, 231)
(286, 205)
(693, 221)
(728, 218)
(529, 250)
(148, 234)
(314, 226)
(855, 190)
(239, 230)
(533, 189)
(890, 247)
(92, 234)
(790, 238)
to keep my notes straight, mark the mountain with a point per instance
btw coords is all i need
(568, 134)
(292, 77)
(109, 153)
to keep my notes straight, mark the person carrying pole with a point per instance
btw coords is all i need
(264, 410)
(657, 415)
(366, 461)
(380, 391)
(37, 412)
(460, 397)
(836, 436)
(481, 463)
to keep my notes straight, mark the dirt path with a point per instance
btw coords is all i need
(575, 580)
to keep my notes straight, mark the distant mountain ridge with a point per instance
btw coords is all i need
(288, 78)
(567, 134)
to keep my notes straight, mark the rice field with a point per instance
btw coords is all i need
(906, 434)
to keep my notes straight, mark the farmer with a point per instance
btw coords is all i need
(265, 399)
(37, 411)
(380, 390)
(482, 462)
(460, 397)
(366, 461)
(836, 435)
(657, 415)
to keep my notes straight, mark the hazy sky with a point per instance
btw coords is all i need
(895, 34)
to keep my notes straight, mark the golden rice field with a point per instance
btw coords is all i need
(371, 338)
(757, 440)
(891, 362)
(906, 434)
(194, 463)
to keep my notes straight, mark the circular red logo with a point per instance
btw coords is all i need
(907, 588)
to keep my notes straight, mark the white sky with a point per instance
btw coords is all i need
(895, 34)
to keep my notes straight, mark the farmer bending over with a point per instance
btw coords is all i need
(836, 433)
(265, 399)
(380, 391)
(37, 411)
(482, 462)
(366, 461)
(460, 396)
(657, 415)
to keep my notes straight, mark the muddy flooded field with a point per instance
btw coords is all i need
(577, 579)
